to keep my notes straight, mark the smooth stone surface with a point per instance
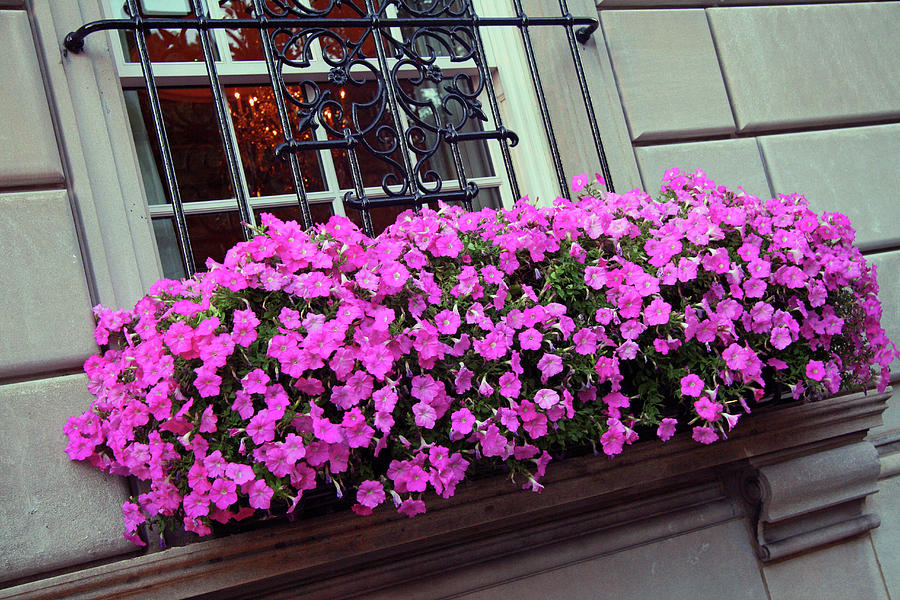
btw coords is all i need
(886, 538)
(809, 65)
(684, 567)
(607, 4)
(854, 171)
(838, 572)
(28, 150)
(47, 325)
(55, 512)
(667, 73)
(732, 163)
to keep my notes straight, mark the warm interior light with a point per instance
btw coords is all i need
(343, 94)
(237, 95)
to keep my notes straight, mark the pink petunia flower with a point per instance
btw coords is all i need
(531, 339)
(815, 370)
(666, 429)
(447, 322)
(691, 385)
(579, 182)
(370, 493)
(707, 409)
(462, 421)
(550, 365)
(259, 494)
(425, 415)
(705, 435)
(546, 399)
(411, 507)
(657, 312)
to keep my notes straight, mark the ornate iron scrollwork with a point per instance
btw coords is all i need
(404, 109)
(413, 75)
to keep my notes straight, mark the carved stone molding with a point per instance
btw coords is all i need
(810, 462)
(809, 501)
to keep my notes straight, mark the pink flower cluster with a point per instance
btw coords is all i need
(387, 367)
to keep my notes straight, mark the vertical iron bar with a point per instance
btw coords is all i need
(356, 176)
(484, 71)
(231, 158)
(542, 101)
(586, 97)
(392, 99)
(460, 173)
(187, 253)
(448, 134)
(277, 83)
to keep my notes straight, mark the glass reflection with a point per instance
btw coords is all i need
(194, 140)
(257, 127)
(245, 44)
(337, 44)
(439, 40)
(163, 45)
(436, 109)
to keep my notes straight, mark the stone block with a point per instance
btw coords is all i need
(789, 66)
(55, 513)
(668, 76)
(686, 567)
(837, 572)
(47, 324)
(28, 150)
(852, 171)
(886, 538)
(733, 163)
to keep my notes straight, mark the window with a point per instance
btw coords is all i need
(326, 91)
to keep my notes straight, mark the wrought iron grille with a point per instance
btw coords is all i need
(388, 125)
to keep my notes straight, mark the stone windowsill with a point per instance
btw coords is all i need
(341, 555)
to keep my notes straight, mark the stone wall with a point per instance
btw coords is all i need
(776, 97)
(55, 513)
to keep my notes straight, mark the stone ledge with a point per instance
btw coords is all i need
(485, 520)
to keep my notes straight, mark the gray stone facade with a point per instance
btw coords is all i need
(774, 97)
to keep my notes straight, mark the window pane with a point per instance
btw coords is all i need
(342, 40)
(194, 140)
(163, 45)
(168, 248)
(336, 42)
(435, 108)
(243, 43)
(258, 130)
(487, 198)
(357, 107)
(321, 212)
(212, 235)
(147, 152)
(444, 41)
